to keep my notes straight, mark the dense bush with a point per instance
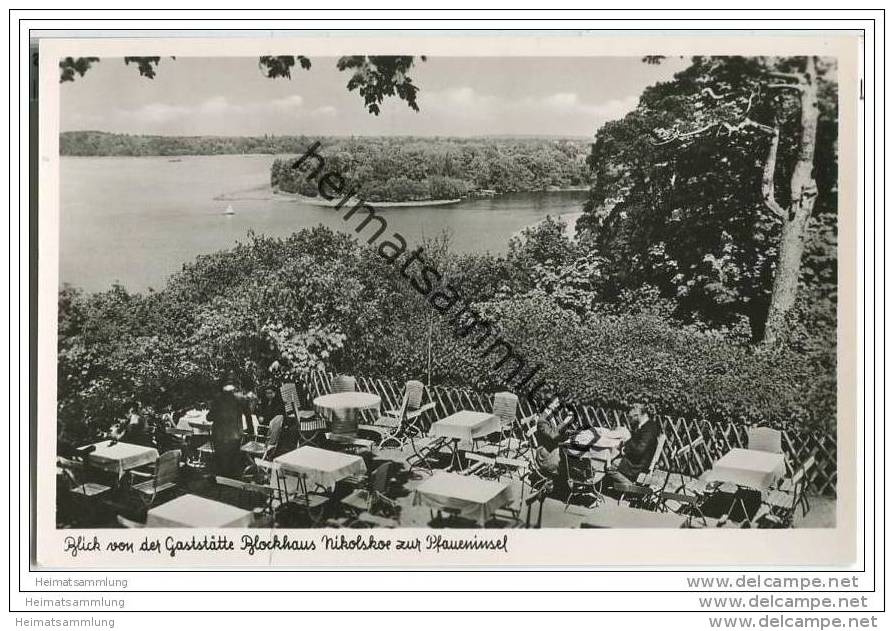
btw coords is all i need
(277, 308)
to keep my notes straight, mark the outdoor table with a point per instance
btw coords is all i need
(600, 444)
(320, 467)
(468, 495)
(121, 457)
(196, 421)
(611, 515)
(192, 511)
(464, 426)
(342, 408)
(748, 467)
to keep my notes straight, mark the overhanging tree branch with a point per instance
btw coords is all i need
(768, 181)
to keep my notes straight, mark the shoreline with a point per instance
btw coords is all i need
(313, 201)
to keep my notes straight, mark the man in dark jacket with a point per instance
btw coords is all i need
(637, 453)
(226, 432)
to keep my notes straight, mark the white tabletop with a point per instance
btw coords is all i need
(192, 511)
(348, 401)
(466, 425)
(121, 456)
(749, 467)
(471, 496)
(320, 466)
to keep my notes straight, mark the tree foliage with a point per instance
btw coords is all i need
(677, 200)
(273, 309)
(413, 169)
(374, 77)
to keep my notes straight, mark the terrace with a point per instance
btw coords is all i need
(361, 453)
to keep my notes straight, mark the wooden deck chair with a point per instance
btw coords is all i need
(765, 439)
(388, 428)
(167, 470)
(412, 410)
(264, 450)
(75, 473)
(374, 498)
(82, 498)
(512, 468)
(682, 503)
(249, 489)
(782, 503)
(480, 465)
(583, 481)
(294, 491)
(425, 452)
(310, 426)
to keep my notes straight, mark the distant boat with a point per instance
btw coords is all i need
(229, 210)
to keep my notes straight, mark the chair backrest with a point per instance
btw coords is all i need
(273, 432)
(659, 448)
(344, 383)
(289, 393)
(765, 439)
(167, 467)
(576, 468)
(413, 391)
(380, 478)
(505, 406)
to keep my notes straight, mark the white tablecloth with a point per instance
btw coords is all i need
(192, 511)
(197, 421)
(466, 426)
(472, 497)
(320, 466)
(342, 401)
(748, 467)
(121, 457)
(612, 515)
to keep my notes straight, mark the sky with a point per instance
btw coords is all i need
(552, 96)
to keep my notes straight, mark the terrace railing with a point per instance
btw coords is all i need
(718, 437)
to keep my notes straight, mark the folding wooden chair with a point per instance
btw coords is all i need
(425, 452)
(167, 471)
(583, 481)
(765, 439)
(388, 428)
(81, 498)
(249, 489)
(781, 503)
(265, 450)
(505, 408)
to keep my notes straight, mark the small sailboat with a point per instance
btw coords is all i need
(229, 210)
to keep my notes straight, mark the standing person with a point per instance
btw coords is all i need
(637, 452)
(225, 415)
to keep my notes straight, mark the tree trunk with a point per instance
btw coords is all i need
(796, 214)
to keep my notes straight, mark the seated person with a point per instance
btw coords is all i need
(270, 404)
(637, 453)
(551, 426)
(134, 430)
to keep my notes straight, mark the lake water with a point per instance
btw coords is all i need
(137, 220)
